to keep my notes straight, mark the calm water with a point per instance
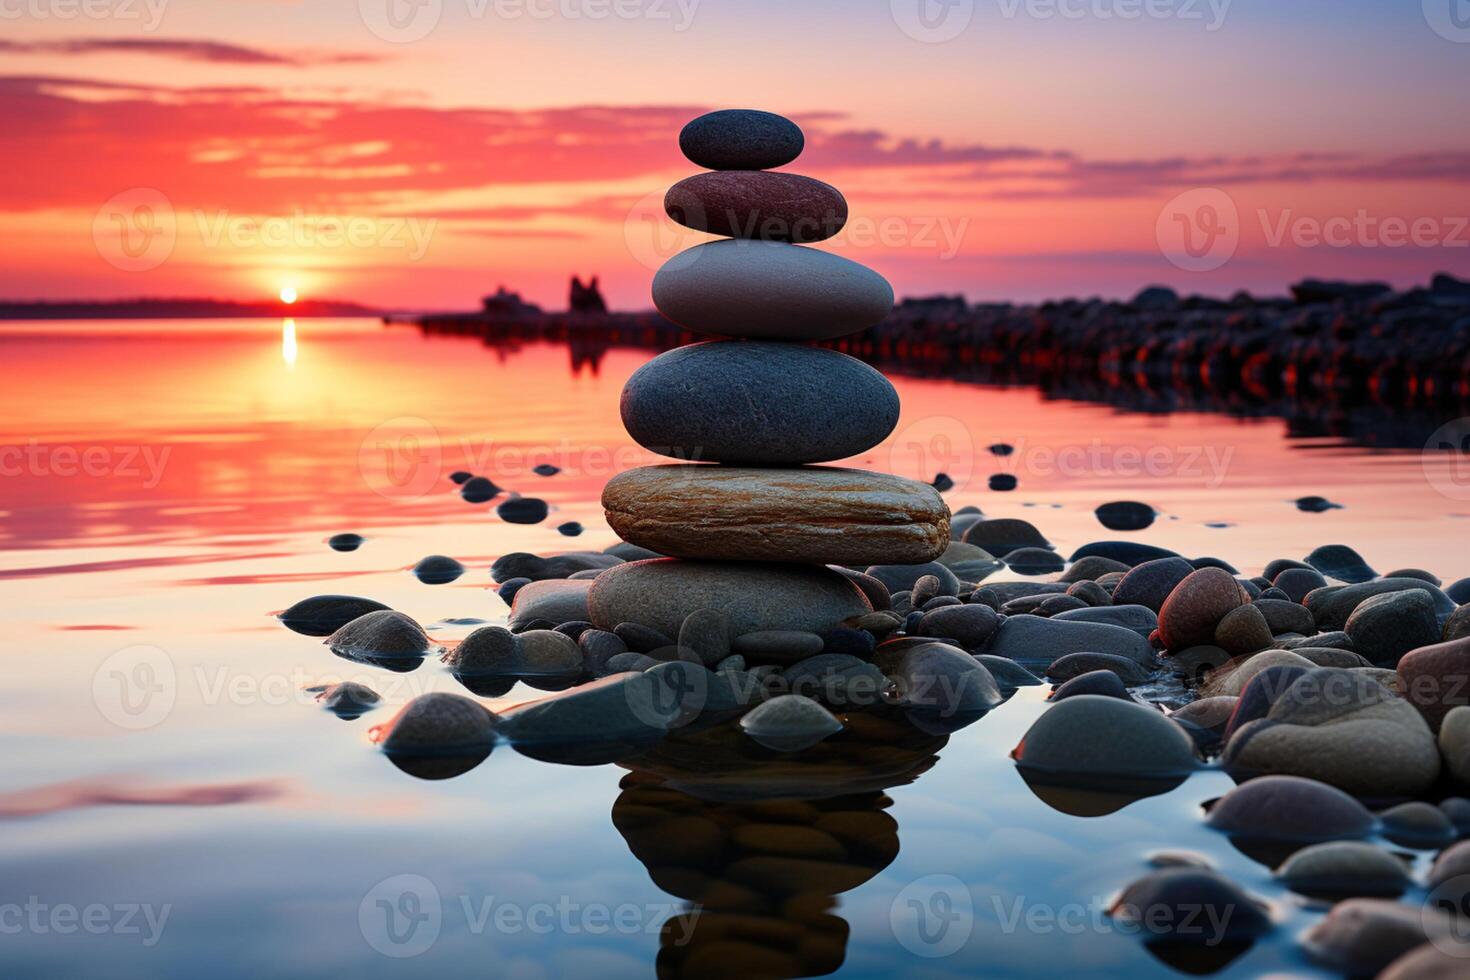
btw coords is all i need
(174, 805)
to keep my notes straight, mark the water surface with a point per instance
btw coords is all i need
(167, 485)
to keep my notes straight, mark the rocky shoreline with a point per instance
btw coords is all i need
(1367, 363)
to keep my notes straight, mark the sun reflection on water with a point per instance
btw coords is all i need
(288, 343)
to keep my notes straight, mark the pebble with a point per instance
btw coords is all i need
(1333, 605)
(1033, 639)
(1196, 606)
(570, 529)
(1263, 689)
(545, 469)
(1093, 736)
(936, 679)
(759, 205)
(479, 490)
(522, 564)
(523, 510)
(1284, 616)
(1125, 515)
(347, 699)
(1418, 824)
(460, 476)
(1149, 583)
(1091, 594)
(1000, 536)
(1077, 664)
(1459, 591)
(1092, 568)
(770, 291)
(732, 513)
(1297, 582)
(758, 403)
(1342, 728)
(643, 639)
(1342, 563)
(857, 643)
(1243, 630)
(836, 679)
(789, 723)
(1002, 449)
(942, 482)
(1449, 876)
(778, 646)
(900, 578)
(1003, 482)
(345, 542)
(1101, 682)
(1316, 505)
(1140, 619)
(1208, 714)
(1457, 625)
(593, 723)
(1418, 573)
(629, 661)
(1442, 961)
(629, 552)
(437, 570)
(1034, 561)
(598, 647)
(1362, 936)
(926, 587)
(1344, 869)
(741, 139)
(1128, 552)
(553, 600)
(1322, 641)
(874, 590)
(439, 735)
(385, 634)
(1454, 742)
(323, 615)
(1191, 906)
(971, 624)
(1387, 626)
(1290, 809)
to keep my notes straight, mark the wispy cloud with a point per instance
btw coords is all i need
(215, 52)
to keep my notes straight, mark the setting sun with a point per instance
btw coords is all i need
(288, 294)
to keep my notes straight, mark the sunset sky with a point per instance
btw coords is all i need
(1048, 148)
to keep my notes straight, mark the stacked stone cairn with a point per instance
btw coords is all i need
(761, 543)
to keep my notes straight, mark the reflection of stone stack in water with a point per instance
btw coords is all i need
(762, 403)
(762, 847)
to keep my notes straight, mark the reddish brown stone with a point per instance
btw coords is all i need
(1196, 606)
(773, 207)
(1436, 678)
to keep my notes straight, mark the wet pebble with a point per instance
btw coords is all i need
(1125, 515)
(523, 510)
(778, 646)
(546, 469)
(1090, 736)
(347, 699)
(1344, 869)
(323, 615)
(1034, 561)
(510, 587)
(1077, 664)
(478, 490)
(1361, 936)
(1316, 505)
(1387, 626)
(1003, 482)
(570, 529)
(705, 633)
(1342, 563)
(1290, 808)
(437, 570)
(1101, 682)
(385, 633)
(345, 542)
(460, 476)
(789, 723)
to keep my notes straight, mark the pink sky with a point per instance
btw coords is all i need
(228, 148)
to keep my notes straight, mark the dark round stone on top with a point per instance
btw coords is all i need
(754, 204)
(1125, 515)
(478, 490)
(523, 510)
(741, 139)
(345, 542)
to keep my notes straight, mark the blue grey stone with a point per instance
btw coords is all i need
(758, 403)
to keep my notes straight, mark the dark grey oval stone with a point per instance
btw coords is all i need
(741, 139)
(757, 403)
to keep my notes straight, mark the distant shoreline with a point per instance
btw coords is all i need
(178, 309)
